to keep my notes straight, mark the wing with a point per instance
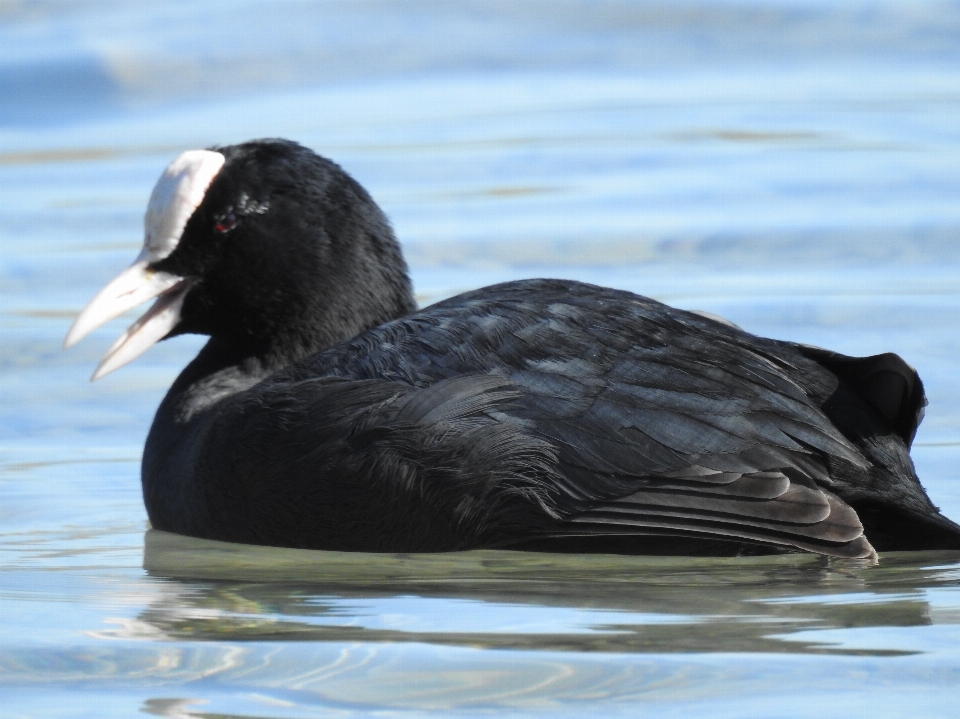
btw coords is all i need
(697, 434)
(662, 421)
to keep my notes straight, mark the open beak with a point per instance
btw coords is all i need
(134, 286)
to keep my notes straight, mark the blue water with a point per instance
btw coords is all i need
(791, 165)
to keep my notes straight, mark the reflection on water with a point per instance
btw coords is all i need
(793, 165)
(500, 599)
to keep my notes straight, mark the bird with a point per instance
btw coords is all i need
(327, 411)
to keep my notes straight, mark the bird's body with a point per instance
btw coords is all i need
(326, 412)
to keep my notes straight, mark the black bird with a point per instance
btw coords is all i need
(326, 411)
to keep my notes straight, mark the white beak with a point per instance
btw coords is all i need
(134, 286)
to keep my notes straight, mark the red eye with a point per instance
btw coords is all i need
(226, 223)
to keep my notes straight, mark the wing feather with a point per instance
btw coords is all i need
(759, 485)
(838, 523)
(798, 505)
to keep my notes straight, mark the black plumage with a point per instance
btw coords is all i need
(327, 412)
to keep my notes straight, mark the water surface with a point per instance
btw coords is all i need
(791, 165)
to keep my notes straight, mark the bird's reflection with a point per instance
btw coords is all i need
(534, 601)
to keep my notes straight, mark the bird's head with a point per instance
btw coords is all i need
(266, 246)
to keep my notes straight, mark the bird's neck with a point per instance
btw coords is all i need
(219, 371)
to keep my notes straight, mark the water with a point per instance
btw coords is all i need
(794, 166)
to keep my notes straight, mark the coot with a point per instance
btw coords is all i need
(326, 411)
